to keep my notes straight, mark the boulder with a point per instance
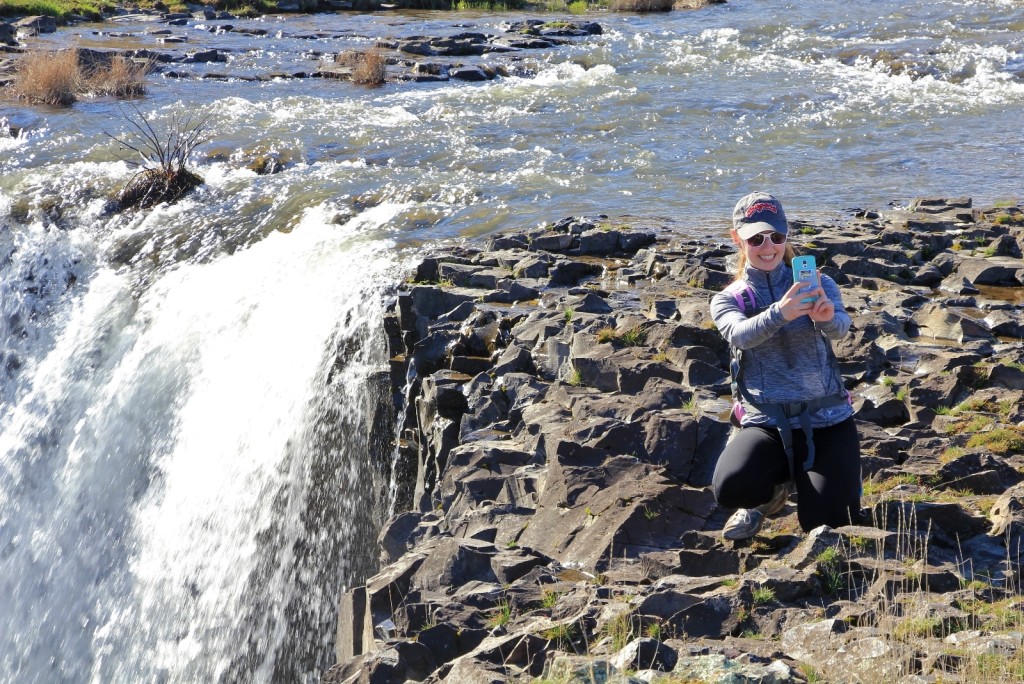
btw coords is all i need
(33, 26)
(8, 34)
(938, 321)
(1007, 514)
(453, 563)
(1006, 271)
(396, 663)
(645, 654)
(1005, 323)
(879, 404)
(721, 668)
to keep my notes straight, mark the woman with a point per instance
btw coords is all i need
(796, 419)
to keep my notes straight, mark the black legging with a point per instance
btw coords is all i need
(829, 494)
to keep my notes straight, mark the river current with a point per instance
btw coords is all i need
(193, 459)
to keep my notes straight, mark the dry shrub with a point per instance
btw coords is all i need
(164, 156)
(123, 78)
(50, 77)
(641, 5)
(370, 68)
(59, 77)
(154, 186)
(694, 4)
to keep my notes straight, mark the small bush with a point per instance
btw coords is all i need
(124, 78)
(164, 176)
(51, 78)
(370, 69)
(578, 7)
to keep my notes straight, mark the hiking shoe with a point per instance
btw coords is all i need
(780, 497)
(743, 524)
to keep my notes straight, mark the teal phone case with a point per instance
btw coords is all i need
(805, 271)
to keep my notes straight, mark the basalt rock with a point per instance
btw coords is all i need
(8, 34)
(562, 487)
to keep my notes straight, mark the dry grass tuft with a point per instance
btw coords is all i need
(370, 68)
(51, 78)
(59, 77)
(124, 78)
(641, 5)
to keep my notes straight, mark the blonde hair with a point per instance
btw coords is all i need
(742, 263)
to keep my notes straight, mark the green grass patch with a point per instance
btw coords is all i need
(913, 629)
(872, 488)
(562, 635)
(634, 337)
(59, 9)
(486, 5)
(549, 599)
(973, 424)
(830, 569)
(501, 616)
(1008, 219)
(763, 595)
(620, 631)
(951, 454)
(999, 441)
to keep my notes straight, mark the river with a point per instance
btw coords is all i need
(194, 459)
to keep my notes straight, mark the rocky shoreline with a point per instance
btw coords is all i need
(562, 398)
(466, 55)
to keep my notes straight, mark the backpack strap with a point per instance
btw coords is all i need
(743, 294)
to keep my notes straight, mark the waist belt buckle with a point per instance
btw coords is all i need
(794, 409)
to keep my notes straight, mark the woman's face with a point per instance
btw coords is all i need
(764, 257)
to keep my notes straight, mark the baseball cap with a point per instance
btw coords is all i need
(756, 213)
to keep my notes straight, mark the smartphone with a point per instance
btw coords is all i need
(805, 271)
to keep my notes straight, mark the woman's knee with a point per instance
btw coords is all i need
(730, 489)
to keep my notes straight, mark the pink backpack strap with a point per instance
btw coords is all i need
(743, 294)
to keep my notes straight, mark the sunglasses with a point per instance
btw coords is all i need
(758, 239)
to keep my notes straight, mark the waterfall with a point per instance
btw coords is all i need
(191, 462)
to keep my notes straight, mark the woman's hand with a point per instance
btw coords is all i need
(824, 309)
(792, 307)
(821, 310)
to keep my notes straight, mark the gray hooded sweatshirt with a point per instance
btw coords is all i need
(783, 362)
